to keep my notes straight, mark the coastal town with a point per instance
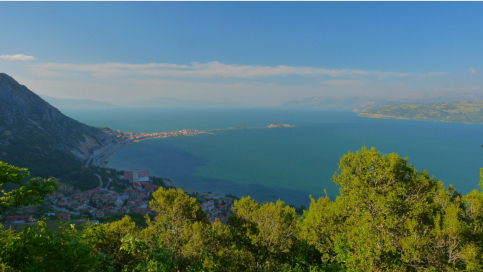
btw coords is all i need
(99, 202)
(118, 140)
(279, 125)
(119, 136)
(135, 136)
(103, 200)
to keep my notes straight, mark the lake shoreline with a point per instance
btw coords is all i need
(303, 158)
(103, 159)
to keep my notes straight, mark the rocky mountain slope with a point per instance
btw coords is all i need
(38, 136)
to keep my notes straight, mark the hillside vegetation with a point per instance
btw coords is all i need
(388, 217)
(469, 112)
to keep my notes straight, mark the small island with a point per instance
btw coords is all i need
(279, 125)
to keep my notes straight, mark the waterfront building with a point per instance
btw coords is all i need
(137, 186)
(136, 175)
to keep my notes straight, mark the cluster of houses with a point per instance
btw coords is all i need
(279, 125)
(18, 218)
(101, 201)
(129, 136)
(217, 209)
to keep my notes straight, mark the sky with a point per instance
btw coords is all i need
(256, 53)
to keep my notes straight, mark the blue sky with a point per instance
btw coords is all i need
(261, 53)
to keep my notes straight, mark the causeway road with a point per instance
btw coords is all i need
(101, 159)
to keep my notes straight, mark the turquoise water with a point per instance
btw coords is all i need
(285, 163)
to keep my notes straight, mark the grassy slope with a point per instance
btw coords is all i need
(470, 112)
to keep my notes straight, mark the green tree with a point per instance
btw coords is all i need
(32, 192)
(385, 202)
(179, 226)
(39, 248)
(320, 226)
(220, 252)
(108, 239)
(268, 231)
(391, 217)
(149, 255)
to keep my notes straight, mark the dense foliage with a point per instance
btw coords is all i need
(30, 192)
(388, 217)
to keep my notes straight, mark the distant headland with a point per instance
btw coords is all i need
(468, 112)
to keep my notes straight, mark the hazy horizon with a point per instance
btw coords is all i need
(260, 54)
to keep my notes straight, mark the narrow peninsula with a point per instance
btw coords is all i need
(122, 139)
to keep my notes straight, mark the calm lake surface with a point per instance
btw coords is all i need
(283, 163)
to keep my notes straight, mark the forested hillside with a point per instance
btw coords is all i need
(388, 217)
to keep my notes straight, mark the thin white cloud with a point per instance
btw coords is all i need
(470, 88)
(462, 89)
(473, 71)
(259, 94)
(201, 70)
(17, 57)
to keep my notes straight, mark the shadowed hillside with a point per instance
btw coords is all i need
(36, 135)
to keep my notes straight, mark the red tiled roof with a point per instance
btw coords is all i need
(18, 218)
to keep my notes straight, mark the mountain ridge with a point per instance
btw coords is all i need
(154, 102)
(169, 102)
(36, 135)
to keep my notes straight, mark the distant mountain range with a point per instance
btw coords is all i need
(357, 104)
(347, 104)
(63, 103)
(38, 136)
(156, 102)
(166, 102)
